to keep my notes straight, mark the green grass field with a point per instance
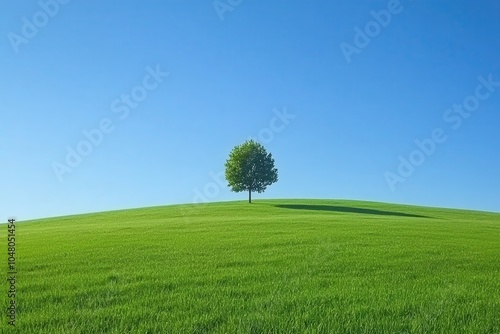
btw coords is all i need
(275, 266)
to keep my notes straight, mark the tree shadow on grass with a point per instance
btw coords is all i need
(346, 209)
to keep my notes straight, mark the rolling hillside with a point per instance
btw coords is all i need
(276, 266)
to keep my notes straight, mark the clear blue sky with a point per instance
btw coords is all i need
(355, 103)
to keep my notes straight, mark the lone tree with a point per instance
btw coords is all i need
(250, 168)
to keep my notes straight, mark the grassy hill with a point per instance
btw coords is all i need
(276, 266)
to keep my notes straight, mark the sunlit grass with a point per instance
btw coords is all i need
(283, 266)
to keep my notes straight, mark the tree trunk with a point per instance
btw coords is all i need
(250, 196)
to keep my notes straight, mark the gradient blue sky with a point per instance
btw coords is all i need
(353, 120)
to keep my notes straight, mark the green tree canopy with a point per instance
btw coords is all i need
(250, 168)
